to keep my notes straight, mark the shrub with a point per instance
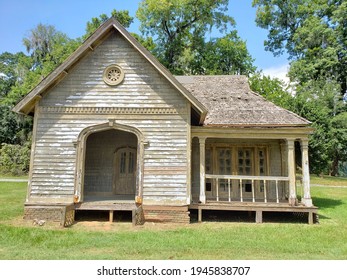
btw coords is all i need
(15, 159)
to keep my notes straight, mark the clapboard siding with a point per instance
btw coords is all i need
(58, 154)
(143, 86)
(82, 100)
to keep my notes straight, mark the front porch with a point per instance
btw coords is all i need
(250, 170)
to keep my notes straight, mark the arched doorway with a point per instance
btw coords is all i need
(110, 165)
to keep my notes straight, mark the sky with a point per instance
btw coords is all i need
(18, 17)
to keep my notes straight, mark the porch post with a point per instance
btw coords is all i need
(291, 172)
(306, 200)
(202, 197)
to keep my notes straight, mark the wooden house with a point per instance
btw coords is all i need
(114, 130)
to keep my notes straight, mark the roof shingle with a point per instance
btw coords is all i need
(230, 102)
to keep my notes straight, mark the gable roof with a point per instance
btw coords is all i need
(27, 104)
(230, 103)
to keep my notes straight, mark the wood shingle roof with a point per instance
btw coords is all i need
(230, 103)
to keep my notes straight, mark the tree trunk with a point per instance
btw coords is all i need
(334, 171)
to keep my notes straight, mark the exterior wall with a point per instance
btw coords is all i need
(144, 100)
(275, 160)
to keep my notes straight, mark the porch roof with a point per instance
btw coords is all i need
(231, 103)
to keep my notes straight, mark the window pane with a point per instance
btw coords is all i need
(224, 161)
(122, 163)
(131, 162)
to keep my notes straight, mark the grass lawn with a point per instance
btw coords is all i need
(328, 180)
(209, 240)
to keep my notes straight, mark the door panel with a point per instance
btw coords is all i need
(124, 181)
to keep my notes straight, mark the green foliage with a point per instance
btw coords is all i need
(312, 32)
(314, 35)
(146, 42)
(47, 49)
(320, 102)
(179, 29)
(227, 55)
(42, 41)
(14, 159)
(13, 128)
(272, 89)
(13, 68)
(122, 16)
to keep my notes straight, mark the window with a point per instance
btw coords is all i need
(224, 166)
(113, 75)
(232, 159)
(245, 166)
(122, 165)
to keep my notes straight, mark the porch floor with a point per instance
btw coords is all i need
(109, 203)
(257, 207)
(126, 198)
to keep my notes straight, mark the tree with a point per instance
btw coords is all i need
(41, 42)
(227, 56)
(13, 68)
(312, 32)
(319, 102)
(179, 27)
(273, 89)
(314, 35)
(20, 74)
(122, 16)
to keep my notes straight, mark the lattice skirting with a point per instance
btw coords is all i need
(63, 214)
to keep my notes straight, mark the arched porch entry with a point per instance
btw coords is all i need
(109, 163)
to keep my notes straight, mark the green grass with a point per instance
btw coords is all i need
(9, 176)
(210, 240)
(328, 180)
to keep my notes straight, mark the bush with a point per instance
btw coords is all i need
(15, 159)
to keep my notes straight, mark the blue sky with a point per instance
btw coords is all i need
(17, 18)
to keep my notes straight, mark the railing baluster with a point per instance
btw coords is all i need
(253, 198)
(279, 182)
(217, 189)
(229, 189)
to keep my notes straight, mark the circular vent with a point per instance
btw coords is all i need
(113, 75)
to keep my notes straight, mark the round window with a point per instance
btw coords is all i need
(113, 75)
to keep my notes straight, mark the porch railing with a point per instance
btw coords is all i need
(241, 178)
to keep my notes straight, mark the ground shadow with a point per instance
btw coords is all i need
(102, 216)
(326, 202)
(248, 216)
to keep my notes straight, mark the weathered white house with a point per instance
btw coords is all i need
(115, 130)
